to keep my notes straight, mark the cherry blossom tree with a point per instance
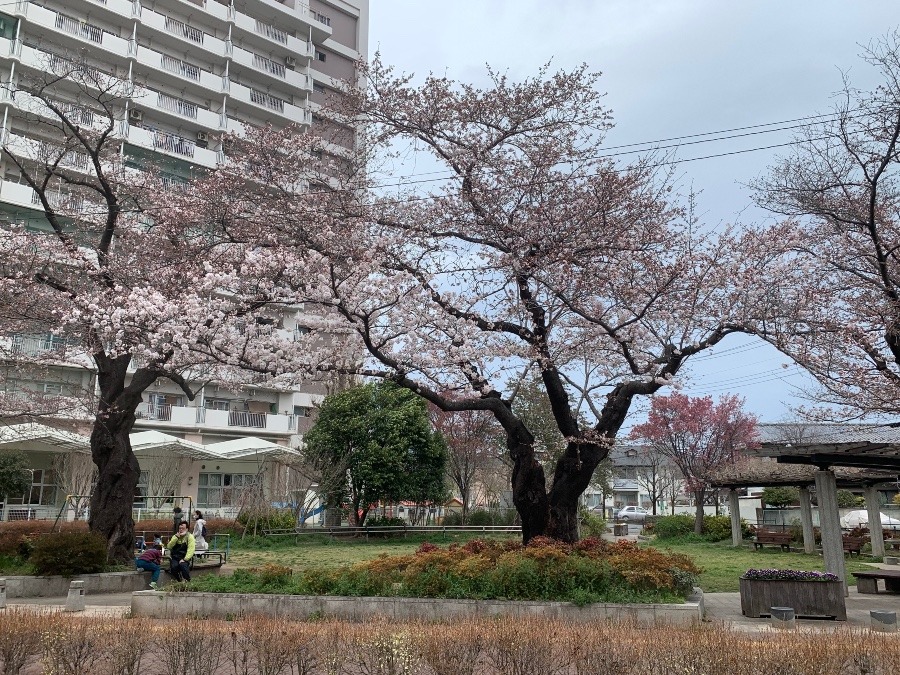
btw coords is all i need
(534, 255)
(698, 436)
(840, 186)
(123, 279)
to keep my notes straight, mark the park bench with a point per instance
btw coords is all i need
(782, 539)
(853, 544)
(867, 582)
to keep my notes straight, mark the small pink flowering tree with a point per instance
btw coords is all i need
(698, 436)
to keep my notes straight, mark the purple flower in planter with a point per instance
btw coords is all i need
(789, 575)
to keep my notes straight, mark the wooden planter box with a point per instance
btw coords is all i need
(808, 598)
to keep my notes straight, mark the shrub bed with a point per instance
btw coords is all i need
(681, 526)
(66, 645)
(590, 571)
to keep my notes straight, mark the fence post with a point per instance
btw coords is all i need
(2, 593)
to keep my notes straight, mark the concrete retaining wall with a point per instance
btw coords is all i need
(94, 584)
(57, 587)
(229, 605)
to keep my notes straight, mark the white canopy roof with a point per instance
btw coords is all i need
(238, 448)
(147, 441)
(41, 438)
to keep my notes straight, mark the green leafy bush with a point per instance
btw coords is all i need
(669, 527)
(779, 497)
(848, 500)
(716, 528)
(68, 554)
(453, 518)
(591, 525)
(385, 521)
(267, 519)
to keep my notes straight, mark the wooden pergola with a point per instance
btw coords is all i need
(824, 456)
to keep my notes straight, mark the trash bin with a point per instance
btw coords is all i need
(620, 529)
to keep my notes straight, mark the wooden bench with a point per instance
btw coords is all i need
(867, 582)
(854, 544)
(782, 539)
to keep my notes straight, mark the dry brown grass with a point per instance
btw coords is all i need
(60, 644)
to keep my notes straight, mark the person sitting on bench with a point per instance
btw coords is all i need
(181, 551)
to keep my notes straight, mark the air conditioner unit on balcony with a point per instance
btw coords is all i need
(135, 115)
(202, 137)
(290, 61)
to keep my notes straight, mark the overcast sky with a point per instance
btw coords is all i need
(670, 68)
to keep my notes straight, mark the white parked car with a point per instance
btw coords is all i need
(632, 513)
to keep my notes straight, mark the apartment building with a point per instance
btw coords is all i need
(195, 69)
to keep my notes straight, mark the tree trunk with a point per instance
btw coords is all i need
(698, 511)
(464, 493)
(529, 489)
(570, 479)
(119, 472)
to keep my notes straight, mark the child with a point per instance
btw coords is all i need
(150, 560)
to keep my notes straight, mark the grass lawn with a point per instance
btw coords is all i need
(322, 551)
(723, 565)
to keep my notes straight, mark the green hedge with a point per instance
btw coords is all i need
(68, 554)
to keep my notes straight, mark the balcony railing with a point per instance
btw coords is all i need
(38, 346)
(177, 105)
(267, 100)
(75, 113)
(180, 67)
(174, 144)
(177, 27)
(268, 65)
(65, 67)
(155, 411)
(61, 201)
(271, 32)
(242, 418)
(74, 26)
(321, 18)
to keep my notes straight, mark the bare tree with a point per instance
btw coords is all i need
(472, 441)
(165, 472)
(654, 473)
(75, 476)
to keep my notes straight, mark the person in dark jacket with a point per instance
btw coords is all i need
(177, 517)
(181, 552)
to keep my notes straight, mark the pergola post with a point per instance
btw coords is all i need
(873, 506)
(734, 507)
(806, 521)
(829, 521)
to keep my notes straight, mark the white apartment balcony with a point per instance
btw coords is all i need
(174, 108)
(81, 34)
(26, 198)
(265, 101)
(179, 35)
(271, 69)
(203, 418)
(41, 151)
(170, 144)
(179, 73)
(110, 9)
(295, 14)
(264, 36)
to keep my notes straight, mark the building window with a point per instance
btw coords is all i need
(302, 411)
(320, 56)
(43, 489)
(216, 490)
(140, 491)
